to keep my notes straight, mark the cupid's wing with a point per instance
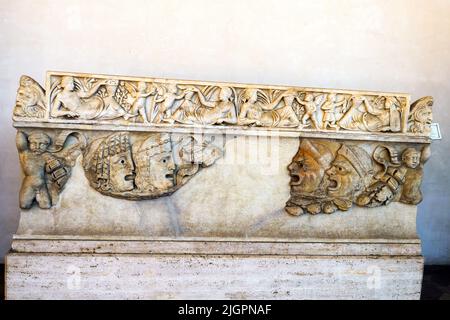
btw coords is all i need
(84, 84)
(319, 100)
(263, 98)
(211, 93)
(55, 88)
(70, 153)
(387, 156)
(68, 146)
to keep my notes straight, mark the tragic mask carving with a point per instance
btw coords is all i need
(144, 166)
(109, 164)
(155, 166)
(420, 117)
(349, 172)
(308, 166)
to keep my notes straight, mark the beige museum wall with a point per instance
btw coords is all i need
(397, 45)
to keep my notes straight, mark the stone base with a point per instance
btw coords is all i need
(77, 268)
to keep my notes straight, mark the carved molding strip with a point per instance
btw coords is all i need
(77, 98)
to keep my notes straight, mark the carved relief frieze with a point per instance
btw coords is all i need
(123, 100)
(138, 138)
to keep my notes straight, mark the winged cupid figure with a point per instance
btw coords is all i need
(310, 105)
(46, 167)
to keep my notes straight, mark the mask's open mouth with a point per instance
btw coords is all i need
(130, 177)
(295, 179)
(170, 176)
(333, 185)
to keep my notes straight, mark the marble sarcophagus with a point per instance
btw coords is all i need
(153, 188)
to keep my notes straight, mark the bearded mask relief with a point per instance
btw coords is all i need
(307, 169)
(308, 178)
(327, 176)
(349, 172)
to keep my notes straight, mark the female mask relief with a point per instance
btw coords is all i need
(141, 166)
(155, 164)
(109, 164)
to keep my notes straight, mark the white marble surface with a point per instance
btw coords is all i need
(242, 195)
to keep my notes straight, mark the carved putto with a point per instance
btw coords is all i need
(46, 165)
(145, 166)
(328, 175)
